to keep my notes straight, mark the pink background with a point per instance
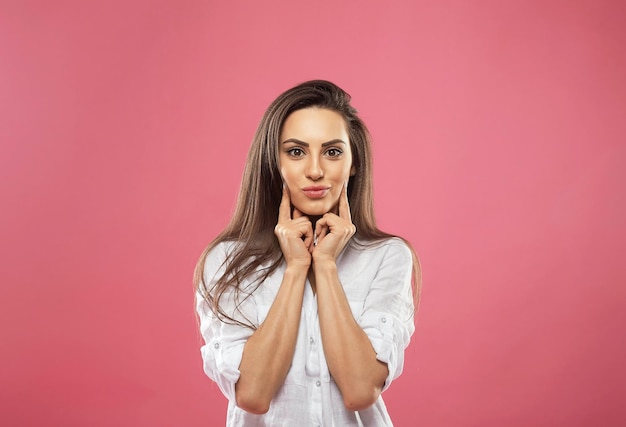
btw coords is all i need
(499, 131)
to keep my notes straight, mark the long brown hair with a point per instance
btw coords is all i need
(256, 214)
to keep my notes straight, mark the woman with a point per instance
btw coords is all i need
(305, 306)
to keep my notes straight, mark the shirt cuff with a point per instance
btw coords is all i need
(384, 332)
(221, 364)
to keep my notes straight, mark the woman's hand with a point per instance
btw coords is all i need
(333, 232)
(295, 235)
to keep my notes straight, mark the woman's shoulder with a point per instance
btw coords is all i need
(223, 249)
(226, 252)
(387, 248)
(219, 255)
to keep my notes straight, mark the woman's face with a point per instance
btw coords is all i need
(315, 159)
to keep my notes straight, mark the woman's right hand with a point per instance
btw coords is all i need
(295, 235)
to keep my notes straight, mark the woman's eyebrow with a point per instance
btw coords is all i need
(306, 144)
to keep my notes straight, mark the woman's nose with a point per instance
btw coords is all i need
(314, 170)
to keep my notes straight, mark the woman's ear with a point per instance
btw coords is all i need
(352, 171)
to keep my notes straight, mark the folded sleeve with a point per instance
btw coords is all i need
(387, 316)
(224, 342)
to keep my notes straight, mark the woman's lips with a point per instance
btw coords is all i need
(315, 192)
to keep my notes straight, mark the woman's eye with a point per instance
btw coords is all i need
(295, 152)
(334, 152)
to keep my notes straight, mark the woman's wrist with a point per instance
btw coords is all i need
(324, 264)
(296, 270)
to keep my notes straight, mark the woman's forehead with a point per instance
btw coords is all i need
(314, 124)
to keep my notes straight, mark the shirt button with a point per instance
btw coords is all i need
(317, 383)
(311, 340)
(384, 320)
(216, 345)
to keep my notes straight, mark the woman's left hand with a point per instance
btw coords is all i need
(333, 231)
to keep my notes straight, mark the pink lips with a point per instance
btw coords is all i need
(316, 191)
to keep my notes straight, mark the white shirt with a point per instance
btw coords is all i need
(377, 284)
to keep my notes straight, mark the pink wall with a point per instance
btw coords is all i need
(499, 152)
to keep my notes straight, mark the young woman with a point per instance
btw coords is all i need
(306, 307)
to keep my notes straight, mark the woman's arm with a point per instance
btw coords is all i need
(268, 353)
(349, 353)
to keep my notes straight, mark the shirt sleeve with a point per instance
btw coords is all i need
(387, 316)
(224, 342)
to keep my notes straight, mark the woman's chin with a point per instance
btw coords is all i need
(312, 211)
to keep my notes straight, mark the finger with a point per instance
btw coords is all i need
(344, 206)
(321, 229)
(284, 210)
(323, 232)
(308, 237)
